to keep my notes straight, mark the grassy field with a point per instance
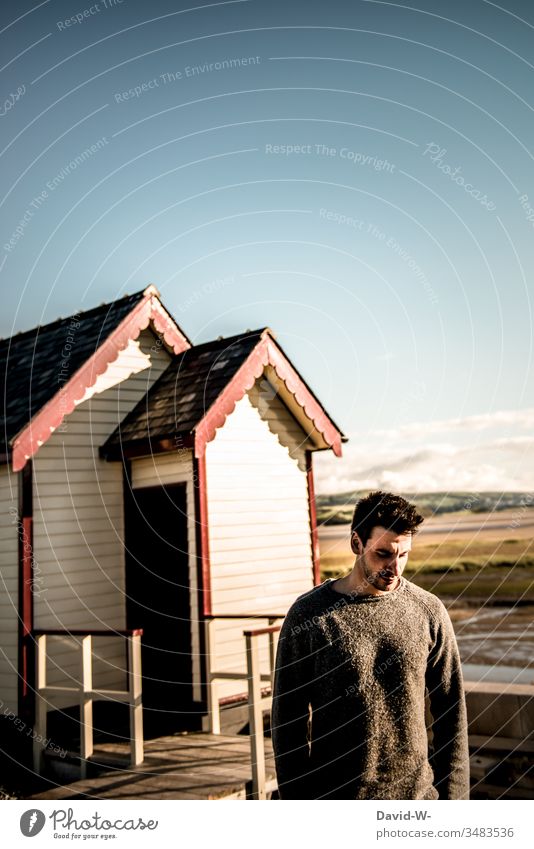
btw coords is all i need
(480, 565)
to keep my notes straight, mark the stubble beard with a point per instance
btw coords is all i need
(378, 581)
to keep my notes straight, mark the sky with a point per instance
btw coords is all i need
(358, 176)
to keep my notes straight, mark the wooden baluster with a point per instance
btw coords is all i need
(41, 706)
(255, 714)
(214, 712)
(136, 700)
(86, 704)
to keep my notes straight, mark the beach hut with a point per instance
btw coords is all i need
(148, 483)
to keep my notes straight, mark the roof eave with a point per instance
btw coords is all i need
(149, 310)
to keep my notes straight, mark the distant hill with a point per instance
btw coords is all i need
(337, 509)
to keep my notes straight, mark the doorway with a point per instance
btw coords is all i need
(157, 600)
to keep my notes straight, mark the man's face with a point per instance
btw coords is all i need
(383, 558)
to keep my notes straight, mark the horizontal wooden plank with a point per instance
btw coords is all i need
(67, 540)
(252, 606)
(224, 513)
(271, 590)
(8, 672)
(91, 600)
(88, 526)
(232, 492)
(78, 484)
(72, 613)
(255, 542)
(269, 457)
(249, 471)
(253, 579)
(74, 584)
(278, 525)
(80, 508)
(9, 558)
(75, 483)
(300, 549)
(279, 568)
(501, 744)
(77, 555)
(52, 469)
(87, 563)
(244, 442)
(497, 688)
(104, 648)
(232, 655)
(10, 699)
(82, 430)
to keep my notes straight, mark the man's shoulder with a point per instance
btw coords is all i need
(311, 603)
(425, 600)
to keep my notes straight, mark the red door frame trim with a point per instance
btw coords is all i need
(50, 416)
(316, 558)
(202, 535)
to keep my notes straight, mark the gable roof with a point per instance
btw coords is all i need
(44, 371)
(188, 387)
(197, 391)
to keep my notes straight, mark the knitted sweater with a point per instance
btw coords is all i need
(348, 716)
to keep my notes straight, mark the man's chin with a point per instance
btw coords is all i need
(386, 584)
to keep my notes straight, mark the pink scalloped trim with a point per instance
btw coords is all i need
(265, 353)
(48, 419)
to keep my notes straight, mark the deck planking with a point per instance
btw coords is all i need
(182, 766)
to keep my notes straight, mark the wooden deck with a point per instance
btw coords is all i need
(183, 766)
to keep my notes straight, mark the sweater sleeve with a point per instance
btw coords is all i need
(450, 750)
(290, 712)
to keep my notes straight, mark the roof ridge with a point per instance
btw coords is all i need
(247, 334)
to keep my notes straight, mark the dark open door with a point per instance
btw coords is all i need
(157, 600)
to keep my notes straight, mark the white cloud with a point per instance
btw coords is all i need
(486, 421)
(409, 460)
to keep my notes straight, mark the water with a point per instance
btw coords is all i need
(495, 635)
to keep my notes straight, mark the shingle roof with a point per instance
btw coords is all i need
(31, 368)
(186, 390)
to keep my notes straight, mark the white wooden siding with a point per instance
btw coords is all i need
(8, 591)
(78, 518)
(177, 467)
(259, 527)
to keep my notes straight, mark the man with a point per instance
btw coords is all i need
(355, 658)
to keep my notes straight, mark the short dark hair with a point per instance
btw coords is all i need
(386, 510)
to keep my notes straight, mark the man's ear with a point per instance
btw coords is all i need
(356, 543)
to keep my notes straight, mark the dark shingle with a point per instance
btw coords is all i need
(31, 363)
(186, 390)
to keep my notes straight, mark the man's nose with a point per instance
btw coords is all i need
(395, 566)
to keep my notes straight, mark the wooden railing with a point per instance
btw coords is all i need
(257, 703)
(85, 693)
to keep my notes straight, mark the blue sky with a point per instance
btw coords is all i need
(358, 176)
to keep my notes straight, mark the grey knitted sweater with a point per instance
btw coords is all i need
(349, 698)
